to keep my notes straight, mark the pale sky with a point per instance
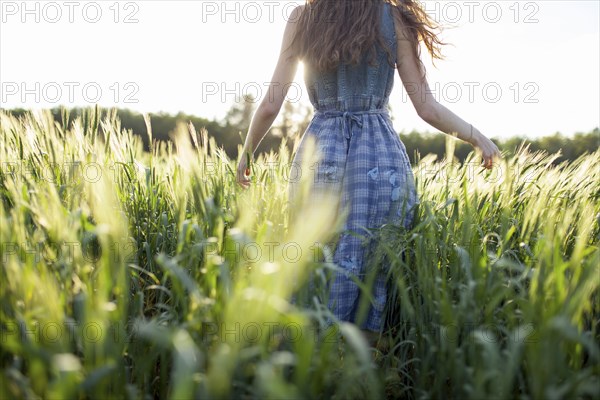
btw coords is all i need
(515, 67)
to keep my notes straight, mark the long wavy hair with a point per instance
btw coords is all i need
(330, 32)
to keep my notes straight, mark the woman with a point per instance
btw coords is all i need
(350, 50)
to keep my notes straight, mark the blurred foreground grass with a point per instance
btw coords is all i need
(140, 275)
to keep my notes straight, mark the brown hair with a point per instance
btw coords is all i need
(330, 32)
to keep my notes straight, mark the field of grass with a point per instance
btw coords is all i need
(153, 275)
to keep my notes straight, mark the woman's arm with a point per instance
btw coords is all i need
(268, 109)
(432, 112)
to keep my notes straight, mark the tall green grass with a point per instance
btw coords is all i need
(139, 275)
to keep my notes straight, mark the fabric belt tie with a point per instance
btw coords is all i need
(348, 117)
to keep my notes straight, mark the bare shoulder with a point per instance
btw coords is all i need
(291, 30)
(296, 13)
(399, 25)
(293, 19)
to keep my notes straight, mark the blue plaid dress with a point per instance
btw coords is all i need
(365, 162)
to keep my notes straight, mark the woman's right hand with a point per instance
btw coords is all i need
(488, 149)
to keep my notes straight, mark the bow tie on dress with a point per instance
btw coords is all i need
(348, 117)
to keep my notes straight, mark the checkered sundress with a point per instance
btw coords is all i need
(364, 160)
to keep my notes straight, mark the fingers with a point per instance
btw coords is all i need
(243, 176)
(487, 163)
(489, 152)
(488, 158)
(244, 183)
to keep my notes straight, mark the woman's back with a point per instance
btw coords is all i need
(363, 161)
(357, 87)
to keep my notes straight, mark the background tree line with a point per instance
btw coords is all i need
(294, 119)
